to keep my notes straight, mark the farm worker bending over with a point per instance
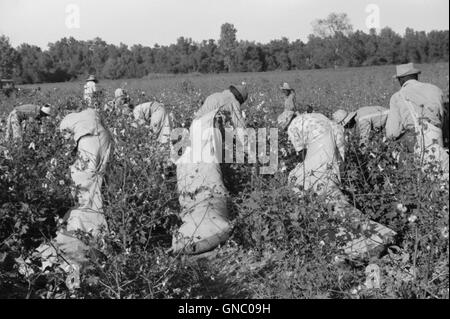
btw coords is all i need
(94, 145)
(415, 115)
(121, 100)
(366, 119)
(155, 114)
(289, 100)
(22, 113)
(315, 133)
(229, 102)
(319, 172)
(202, 193)
(89, 89)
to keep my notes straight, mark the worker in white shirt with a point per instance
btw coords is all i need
(22, 113)
(155, 115)
(319, 172)
(289, 97)
(119, 104)
(366, 119)
(94, 146)
(89, 89)
(415, 115)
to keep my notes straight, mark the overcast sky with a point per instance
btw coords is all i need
(148, 22)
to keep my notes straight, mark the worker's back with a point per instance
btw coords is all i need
(214, 102)
(87, 122)
(27, 111)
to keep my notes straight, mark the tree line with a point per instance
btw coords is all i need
(333, 43)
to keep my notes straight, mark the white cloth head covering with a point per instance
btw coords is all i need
(343, 117)
(47, 109)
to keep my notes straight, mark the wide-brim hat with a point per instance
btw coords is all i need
(285, 86)
(343, 117)
(91, 78)
(285, 118)
(46, 109)
(406, 69)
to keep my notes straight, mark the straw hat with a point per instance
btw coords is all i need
(285, 118)
(406, 69)
(285, 86)
(343, 117)
(91, 78)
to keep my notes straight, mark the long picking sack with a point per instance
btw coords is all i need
(203, 196)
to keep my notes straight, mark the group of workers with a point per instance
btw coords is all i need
(151, 113)
(415, 113)
(415, 118)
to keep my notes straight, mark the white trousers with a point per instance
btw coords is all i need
(160, 125)
(429, 148)
(88, 170)
(13, 127)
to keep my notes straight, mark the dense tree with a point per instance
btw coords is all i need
(249, 57)
(277, 57)
(31, 63)
(228, 44)
(357, 50)
(298, 55)
(9, 58)
(438, 45)
(336, 29)
(333, 44)
(410, 46)
(208, 58)
(334, 23)
(388, 47)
